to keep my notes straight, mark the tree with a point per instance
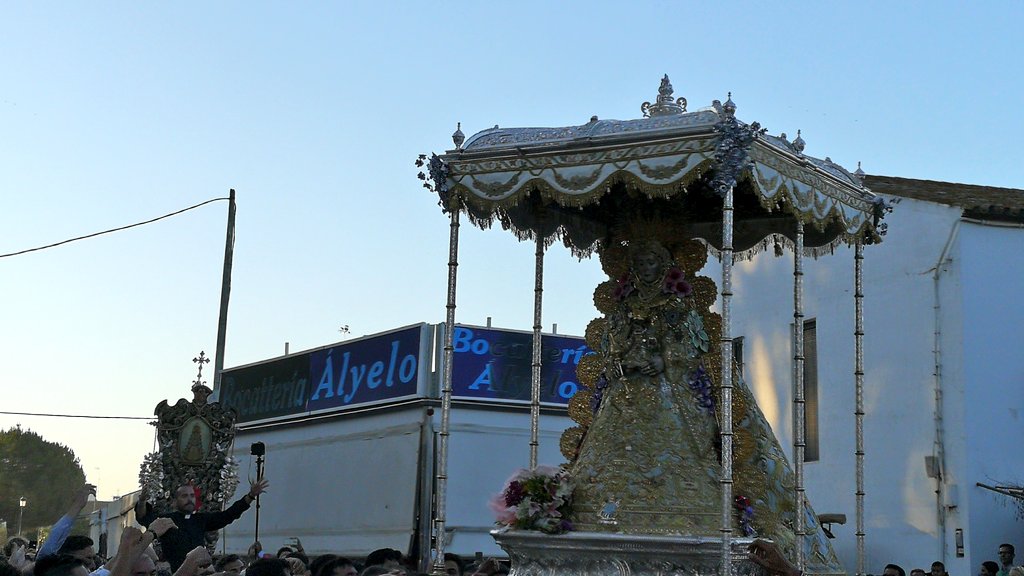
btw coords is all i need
(45, 473)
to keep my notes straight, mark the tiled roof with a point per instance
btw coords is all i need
(977, 201)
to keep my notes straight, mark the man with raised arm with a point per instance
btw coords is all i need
(190, 527)
(62, 528)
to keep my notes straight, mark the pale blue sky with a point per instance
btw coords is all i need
(112, 113)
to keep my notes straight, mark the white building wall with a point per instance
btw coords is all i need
(345, 484)
(993, 283)
(901, 511)
(486, 447)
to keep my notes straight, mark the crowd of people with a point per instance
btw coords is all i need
(174, 544)
(1005, 566)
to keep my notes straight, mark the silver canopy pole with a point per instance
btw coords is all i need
(726, 408)
(858, 339)
(538, 292)
(446, 393)
(799, 407)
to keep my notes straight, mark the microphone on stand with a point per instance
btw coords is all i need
(259, 450)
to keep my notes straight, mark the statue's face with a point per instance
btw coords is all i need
(647, 267)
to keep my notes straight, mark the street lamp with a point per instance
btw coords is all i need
(21, 512)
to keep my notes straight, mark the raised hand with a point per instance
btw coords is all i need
(255, 549)
(133, 544)
(200, 555)
(160, 526)
(80, 498)
(767, 554)
(195, 561)
(258, 487)
(18, 557)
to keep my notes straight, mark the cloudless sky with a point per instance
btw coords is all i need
(116, 112)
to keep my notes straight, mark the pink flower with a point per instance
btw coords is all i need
(503, 514)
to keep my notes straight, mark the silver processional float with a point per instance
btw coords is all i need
(672, 467)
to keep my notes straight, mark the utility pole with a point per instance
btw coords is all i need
(225, 295)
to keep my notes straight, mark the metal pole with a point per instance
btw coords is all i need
(21, 514)
(726, 344)
(799, 407)
(446, 392)
(538, 291)
(259, 476)
(225, 294)
(858, 339)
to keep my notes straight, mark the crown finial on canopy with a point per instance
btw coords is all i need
(860, 174)
(729, 107)
(664, 105)
(799, 143)
(458, 137)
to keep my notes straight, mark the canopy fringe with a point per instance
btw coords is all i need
(779, 244)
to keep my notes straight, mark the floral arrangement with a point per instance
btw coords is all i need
(673, 283)
(700, 385)
(537, 499)
(746, 513)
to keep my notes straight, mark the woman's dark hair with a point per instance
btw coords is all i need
(327, 568)
(449, 556)
(74, 543)
(57, 565)
(12, 542)
(382, 555)
(268, 567)
(225, 560)
(991, 566)
(319, 561)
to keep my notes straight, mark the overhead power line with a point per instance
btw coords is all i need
(78, 416)
(112, 229)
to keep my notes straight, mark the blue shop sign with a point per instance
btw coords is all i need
(267, 390)
(375, 369)
(381, 368)
(497, 364)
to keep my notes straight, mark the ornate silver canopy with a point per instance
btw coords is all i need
(567, 182)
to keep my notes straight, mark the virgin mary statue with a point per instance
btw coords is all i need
(647, 457)
(649, 462)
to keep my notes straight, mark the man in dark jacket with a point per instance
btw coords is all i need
(190, 527)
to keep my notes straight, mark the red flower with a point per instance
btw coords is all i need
(514, 494)
(624, 288)
(674, 283)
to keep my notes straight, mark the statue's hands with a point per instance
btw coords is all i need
(653, 367)
(160, 526)
(257, 488)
